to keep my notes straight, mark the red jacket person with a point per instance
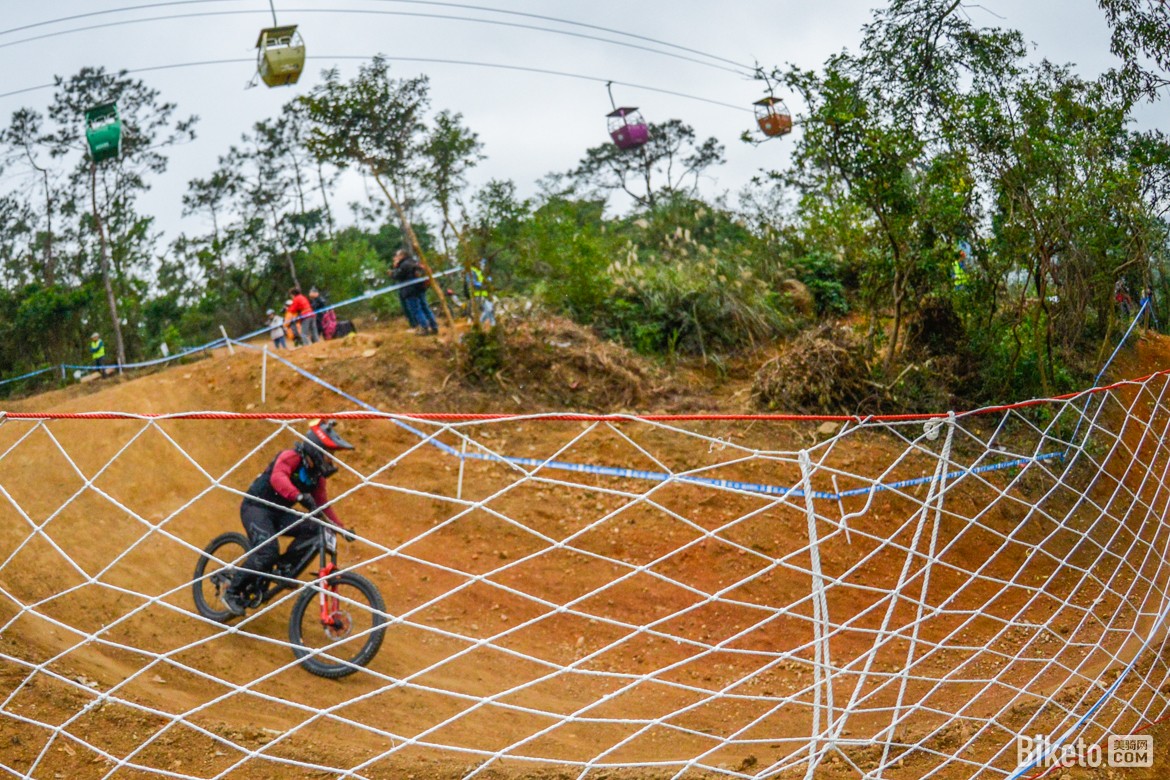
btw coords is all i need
(296, 476)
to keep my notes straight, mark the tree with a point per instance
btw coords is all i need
(1141, 38)
(213, 195)
(880, 131)
(1071, 201)
(449, 152)
(939, 130)
(661, 167)
(23, 135)
(148, 126)
(16, 242)
(498, 220)
(377, 123)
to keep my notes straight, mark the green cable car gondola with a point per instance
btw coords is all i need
(280, 56)
(103, 132)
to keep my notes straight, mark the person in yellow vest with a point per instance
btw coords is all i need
(97, 353)
(478, 284)
(959, 267)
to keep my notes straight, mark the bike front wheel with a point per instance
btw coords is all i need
(335, 630)
(214, 572)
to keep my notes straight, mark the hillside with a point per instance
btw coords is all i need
(551, 365)
(470, 552)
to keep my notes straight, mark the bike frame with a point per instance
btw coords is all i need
(326, 550)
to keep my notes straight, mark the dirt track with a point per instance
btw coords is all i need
(732, 681)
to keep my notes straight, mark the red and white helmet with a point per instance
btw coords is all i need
(323, 435)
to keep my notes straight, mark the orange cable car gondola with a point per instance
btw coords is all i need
(773, 116)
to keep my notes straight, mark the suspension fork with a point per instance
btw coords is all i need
(330, 603)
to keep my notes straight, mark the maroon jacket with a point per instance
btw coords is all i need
(285, 479)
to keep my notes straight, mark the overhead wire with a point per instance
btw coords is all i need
(571, 22)
(435, 3)
(430, 60)
(363, 11)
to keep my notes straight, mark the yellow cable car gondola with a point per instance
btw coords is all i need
(280, 55)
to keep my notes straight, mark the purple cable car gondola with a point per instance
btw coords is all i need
(627, 128)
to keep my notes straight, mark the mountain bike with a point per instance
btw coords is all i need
(333, 640)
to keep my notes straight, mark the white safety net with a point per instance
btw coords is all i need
(568, 596)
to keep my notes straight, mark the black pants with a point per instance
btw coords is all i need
(265, 525)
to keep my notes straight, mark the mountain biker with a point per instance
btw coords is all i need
(296, 475)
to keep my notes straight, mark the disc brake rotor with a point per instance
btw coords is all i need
(339, 626)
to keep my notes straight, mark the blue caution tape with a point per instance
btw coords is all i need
(1146, 303)
(313, 378)
(750, 487)
(220, 341)
(29, 374)
(147, 363)
(369, 295)
(660, 476)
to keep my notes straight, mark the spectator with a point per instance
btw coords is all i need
(399, 272)
(959, 266)
(416, 297)
(478, 282)
(306, 320)
(276, 323)
(97, 353)
(319, 303)
(1121, 296)
(290, 328)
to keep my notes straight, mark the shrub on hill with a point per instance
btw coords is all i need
(820, 371)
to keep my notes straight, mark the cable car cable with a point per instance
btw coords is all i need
(432, 60)
(439, 3)
(415, 14)
(89, 14)
(571, 22)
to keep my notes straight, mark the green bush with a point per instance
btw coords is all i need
(692, 300)
(483, 353)
(822, 276)
(564, 254)
(1010, 363)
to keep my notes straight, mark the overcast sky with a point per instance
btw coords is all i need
(531, 124)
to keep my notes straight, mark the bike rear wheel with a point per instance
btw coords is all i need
(214, 572)
(350, 635)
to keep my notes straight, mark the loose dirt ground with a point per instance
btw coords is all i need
(676, 621)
